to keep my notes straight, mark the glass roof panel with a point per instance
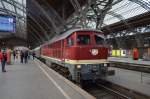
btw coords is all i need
(110, 19)
(1, 5)
(20, 1)
(124, 10)
(19, 12)
(9, 6)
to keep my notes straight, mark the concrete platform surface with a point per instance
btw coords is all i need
(137, 81)
(36, 81)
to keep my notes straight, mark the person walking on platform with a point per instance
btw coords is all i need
(26, 57)
(21, 56)
(14, 54)
(3, 61)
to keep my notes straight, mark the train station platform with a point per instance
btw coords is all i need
(36, 81)
(133, 80)
(128, 60)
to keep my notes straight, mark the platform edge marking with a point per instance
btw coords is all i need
(77, 88)
(54, 82)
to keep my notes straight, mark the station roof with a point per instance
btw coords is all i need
(124, 10)
(40, 20)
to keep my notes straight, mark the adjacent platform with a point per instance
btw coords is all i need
(128, 60)
(136, 81)
(36, 81)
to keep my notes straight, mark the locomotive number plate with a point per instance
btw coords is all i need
(94, 51)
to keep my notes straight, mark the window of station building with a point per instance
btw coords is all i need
(83, 39)
(99, 40)
(70, 42)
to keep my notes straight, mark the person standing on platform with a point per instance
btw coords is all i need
(26, 57)
(135, 54)
(14, 54)
(0, 55)
(33, 55)
(21, 56)
(3, 61)
(29, 53)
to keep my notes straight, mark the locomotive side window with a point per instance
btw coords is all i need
(99, 40)
(70, 42)
(83, 39)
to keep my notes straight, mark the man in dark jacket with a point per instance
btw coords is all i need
(33, 55)
(14, 54)
(26, 56)
(21, 56)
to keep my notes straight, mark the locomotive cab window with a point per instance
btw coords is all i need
(99, 40)
(83, 39)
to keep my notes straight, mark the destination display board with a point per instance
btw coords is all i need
(7, 23)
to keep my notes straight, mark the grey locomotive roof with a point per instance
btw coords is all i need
(69, 32)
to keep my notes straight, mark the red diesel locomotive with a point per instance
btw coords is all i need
(82, 51)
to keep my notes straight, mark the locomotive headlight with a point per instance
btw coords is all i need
(78, 66)
(105, 65)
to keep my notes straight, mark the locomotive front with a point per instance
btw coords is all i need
(88, 55)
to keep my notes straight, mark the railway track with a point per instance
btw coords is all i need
(103, 90)
(115, 94)
(119, 92)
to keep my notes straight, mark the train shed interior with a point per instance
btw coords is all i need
(75, 49)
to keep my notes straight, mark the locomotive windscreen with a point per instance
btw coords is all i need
(99, 40)
(83, 39)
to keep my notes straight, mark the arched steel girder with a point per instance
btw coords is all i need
(142, 3)
(76, 5)
(47, 16)
(101, 12)
(36, 38)
(56, 15)
(36, 32)
(39, 25)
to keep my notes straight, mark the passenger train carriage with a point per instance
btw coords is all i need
(82, 51)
